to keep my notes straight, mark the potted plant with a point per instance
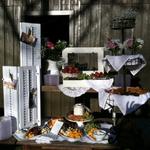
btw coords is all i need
(52, 54)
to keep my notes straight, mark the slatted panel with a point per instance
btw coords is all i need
(16, 101)
(69, 103)
(30, 55)
(85, 27)
(2, 51)
(76, 19)
(95, 36)
(142, 31)
(30, 78)
(56, 104)
(11, 95)
(16, 44)
(8, 36)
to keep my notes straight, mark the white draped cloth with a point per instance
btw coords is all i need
(75, 91)
(126, 103)
(117, 62)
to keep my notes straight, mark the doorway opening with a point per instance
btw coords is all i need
(53, 27)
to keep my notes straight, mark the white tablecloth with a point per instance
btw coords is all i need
(126, 103)
(74, 91)
(117, 62)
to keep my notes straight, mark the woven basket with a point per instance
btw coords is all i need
(123, 23)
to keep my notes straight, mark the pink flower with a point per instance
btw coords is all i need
(133, 44)
(114, 46)
(129, 43)
(111, 44)
(49, 45)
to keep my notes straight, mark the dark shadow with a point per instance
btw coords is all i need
(131, 107)
(1, 111)
(133, 130)
(10, 19)
(29, 6)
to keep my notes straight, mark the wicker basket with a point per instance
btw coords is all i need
(123, 23)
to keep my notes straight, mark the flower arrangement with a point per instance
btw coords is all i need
(114, 46)
(53, 51)
(133, 44)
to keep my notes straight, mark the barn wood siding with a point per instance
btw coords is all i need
(91, 28)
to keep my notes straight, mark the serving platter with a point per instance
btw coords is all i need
(74, 118)
(69, 138)
(90, 128)
(71, 132)
(102, 136)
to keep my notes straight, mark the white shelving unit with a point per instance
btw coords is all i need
(17, 101)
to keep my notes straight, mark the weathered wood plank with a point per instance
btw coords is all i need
(124, 1)
(66, 104)
(85, 26)
(55, 102)
(94, 105)
(142, 31)
(46, 106)
(2, 51)
(9, 50)
(16, 35)
(95, 25)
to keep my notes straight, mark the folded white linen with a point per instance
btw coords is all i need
(100, 84)
(129, 103)
(43, 139)
(117, 62)
(126, 103)
(103, 98)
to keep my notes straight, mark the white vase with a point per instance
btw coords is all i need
(52, 67)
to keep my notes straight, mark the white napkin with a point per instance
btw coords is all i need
(102, 99)
(43, 139)
(117, 62)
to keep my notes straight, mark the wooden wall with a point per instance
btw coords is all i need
(91, 28)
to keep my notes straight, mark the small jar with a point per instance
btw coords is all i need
(78, 109)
